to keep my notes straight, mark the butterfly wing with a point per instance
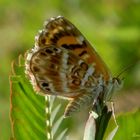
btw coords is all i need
(57, 71)
(62, 33)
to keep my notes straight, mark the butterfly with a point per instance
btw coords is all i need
(63, 63)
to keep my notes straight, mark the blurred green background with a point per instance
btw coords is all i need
(112, 26)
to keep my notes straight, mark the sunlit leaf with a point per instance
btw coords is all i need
(112, 133)
(129, 128)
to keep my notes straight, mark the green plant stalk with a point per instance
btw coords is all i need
(102, 122)
(48, 119)
(104, 115)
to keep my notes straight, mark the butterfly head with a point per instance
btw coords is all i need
(117, 83)
(114, 85)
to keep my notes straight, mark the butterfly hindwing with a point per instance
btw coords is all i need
(58, 71)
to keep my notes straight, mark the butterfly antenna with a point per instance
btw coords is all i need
(125, 69)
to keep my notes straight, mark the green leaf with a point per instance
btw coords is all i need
(28, 117)
(112, 133)
(102, 122)
(129, 128)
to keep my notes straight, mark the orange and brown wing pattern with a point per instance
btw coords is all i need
(62, 33)
(56, 71)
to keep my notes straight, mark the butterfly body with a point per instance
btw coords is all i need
(63, 63)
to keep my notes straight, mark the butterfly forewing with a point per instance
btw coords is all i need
(62, 33)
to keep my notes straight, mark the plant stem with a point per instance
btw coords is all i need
(102, 122)
(103, 118)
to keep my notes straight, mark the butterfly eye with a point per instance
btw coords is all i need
(117, 80)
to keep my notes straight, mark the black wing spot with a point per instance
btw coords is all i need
(56, 49)
(49, 51)
(54, 39)
(82, 53)
(59, 34)
(45, 84)
(72, 46)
